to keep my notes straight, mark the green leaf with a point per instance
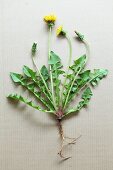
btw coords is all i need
(38, 80)
(31, 87)
(18, 78)
(97, 76)
(79, 63)
(29, 72)
(86, 96)
(44, 72)
(30, 103)
(54, 59)
(84, 79)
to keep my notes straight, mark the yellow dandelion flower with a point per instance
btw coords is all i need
(59, 30)
(50, 18)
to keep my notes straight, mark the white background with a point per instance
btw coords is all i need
(29, 139)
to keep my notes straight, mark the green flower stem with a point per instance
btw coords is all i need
(81, 38)
(51, 77)
(57, 90)
(87, 48)
(69, 62)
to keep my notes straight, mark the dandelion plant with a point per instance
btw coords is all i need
(55, 88)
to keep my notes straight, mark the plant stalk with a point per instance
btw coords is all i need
(87, 48)
(50, 69)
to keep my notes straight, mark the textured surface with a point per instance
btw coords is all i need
(29, 139)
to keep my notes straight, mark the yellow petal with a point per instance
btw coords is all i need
(50, 18)
(59, 30)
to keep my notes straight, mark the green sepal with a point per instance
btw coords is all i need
(34, 48)
(80, 36)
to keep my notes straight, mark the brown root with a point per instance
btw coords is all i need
(65, 141)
